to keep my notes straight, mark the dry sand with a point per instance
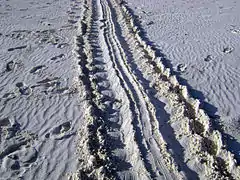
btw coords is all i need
(40, 107)
(86, 95)
(200, 43)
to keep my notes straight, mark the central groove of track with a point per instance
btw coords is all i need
(137, 97)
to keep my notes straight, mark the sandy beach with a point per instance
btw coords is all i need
(112, 89)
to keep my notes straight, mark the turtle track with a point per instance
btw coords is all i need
(139, 116)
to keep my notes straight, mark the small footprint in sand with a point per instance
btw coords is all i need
(71, 12)
(61, 131)
(181, 68)
(13, 129)
(45, 23)
(9, 96)
(72, 21)
(227, 50)
(19, 47)
(147, 13)
(208, 58)
(27, 155)
(37, 69)
(47, 80)
(150, 23)
(10, 66)
(236, 31)
(16, 151)
(19, 34)
(23, 9)
(12, 139)
(23, 89)
(58, 57)
(75, 8)
(53, 86)
(10, 163)
(4, 122)
(62, 45)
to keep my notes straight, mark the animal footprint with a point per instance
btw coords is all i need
(227, 50)
(23, 89)
(21, 158)
(51, 85)
(72, 21)
(19, 47)
(147, 13)
(62, 131)
(235, 31)
(12, 138)
(208, 58)
(45, 23)
(62, 45)
(27, 155)
(10, 163)
(10, 66)
(15, 149)
(181, 68)
(9, 96)
(22, 34)
(47, 80)
(37, 69)
(4, 122)
(58, 57)
(150, 23)
(13, 129)
(71, 12)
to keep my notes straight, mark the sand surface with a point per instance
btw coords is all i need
(200, 41)
(40, 107)
(107, 89)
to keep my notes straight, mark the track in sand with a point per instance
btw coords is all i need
(141, 123)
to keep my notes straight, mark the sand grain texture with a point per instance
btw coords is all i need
(85, 95)
(40, 102)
